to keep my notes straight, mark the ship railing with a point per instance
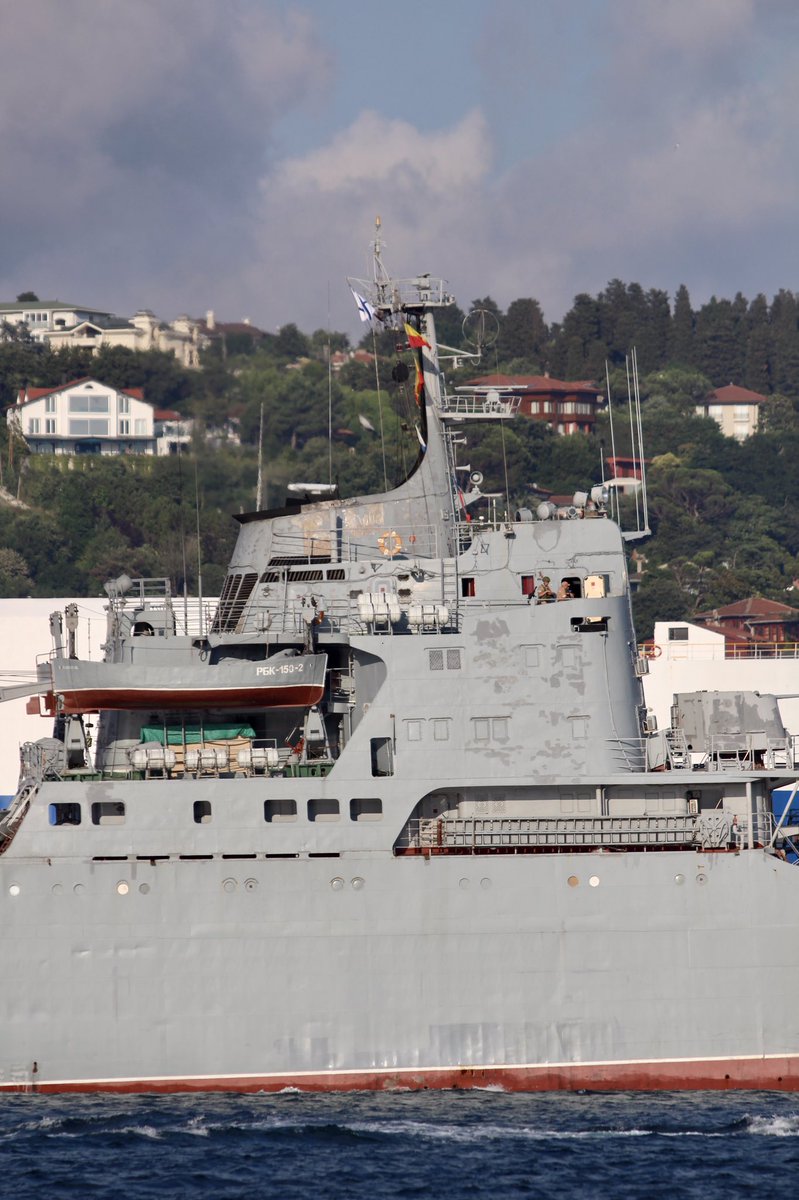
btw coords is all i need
(553, 833)
(717, 829)
(323, 550)
(698, 650)
(483, 403)
(348, 615)
(39, 762)
(194, 617)
(630, 754)
(395, 294)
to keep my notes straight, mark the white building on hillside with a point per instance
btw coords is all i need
(57, 324)
(85, 417)
(45, 317)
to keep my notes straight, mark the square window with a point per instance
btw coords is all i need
(436, 660)
(368, 809)
(499, 729)
(467, 586)
(323, 810)
(64, 814)
(413, 731)
(678, 633)
(481, 727)
(202, 812)
(280, 810)
(108, 812)
(453, 660)
(440, 729)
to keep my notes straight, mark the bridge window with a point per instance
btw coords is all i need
(323, 810)
(64, 814)
(108, 812)
(280, 810)
(368, 809)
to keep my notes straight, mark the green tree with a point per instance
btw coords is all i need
(523, 332)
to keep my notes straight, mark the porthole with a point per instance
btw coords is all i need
(679, 879)
(701, 878)
(79, 889)
(250, 885)
(594, 881)
(229, 885)
(357, 883)
(463, 884)
(14, 889)
(485, 884)
(144, 888)
(573, 881)
(123, 888)
(337, 883)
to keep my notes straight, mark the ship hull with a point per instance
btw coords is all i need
(179, 699)
(83, 686)
(766, 1073)
(370, 973)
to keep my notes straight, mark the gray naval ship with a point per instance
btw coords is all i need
(396, 818)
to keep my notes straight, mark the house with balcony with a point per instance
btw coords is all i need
(144, 331)
(567, 407)
(56, 324)
(173, 434)
(41, 318)
(735, 410)
(753, 620)
(85, 417)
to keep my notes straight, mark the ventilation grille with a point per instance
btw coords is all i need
(235, 594)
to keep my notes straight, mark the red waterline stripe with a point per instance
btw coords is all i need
(777, 1073)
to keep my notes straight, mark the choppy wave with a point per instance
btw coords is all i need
(486, 1143)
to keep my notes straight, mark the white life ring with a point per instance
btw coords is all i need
(389, 543)
(653, 651)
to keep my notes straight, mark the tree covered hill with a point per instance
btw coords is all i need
(724, 515)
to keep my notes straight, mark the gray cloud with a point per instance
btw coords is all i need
(130, 167)
(145, 166)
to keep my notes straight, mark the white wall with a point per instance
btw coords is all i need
(698, 664)
(25, 636)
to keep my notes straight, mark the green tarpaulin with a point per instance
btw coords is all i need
(189, 735)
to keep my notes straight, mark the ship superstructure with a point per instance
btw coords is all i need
(396, 816)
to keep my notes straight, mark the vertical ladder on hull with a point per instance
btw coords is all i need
(450, 585)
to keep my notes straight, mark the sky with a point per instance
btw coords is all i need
(187, 155)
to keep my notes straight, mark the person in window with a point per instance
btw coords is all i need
(545, 594)
(565, 591)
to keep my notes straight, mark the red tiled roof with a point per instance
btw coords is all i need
(756, 608)
(732, 394)
(166, 414)
(34, 393)
(534, 383)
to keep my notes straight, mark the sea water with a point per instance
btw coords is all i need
(445, 1145)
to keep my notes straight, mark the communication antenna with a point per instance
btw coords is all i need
(199, 545)
(258, 488)
(612, 441)
(637, 448)
(480, 328)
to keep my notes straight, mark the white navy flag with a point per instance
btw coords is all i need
(365, 310)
